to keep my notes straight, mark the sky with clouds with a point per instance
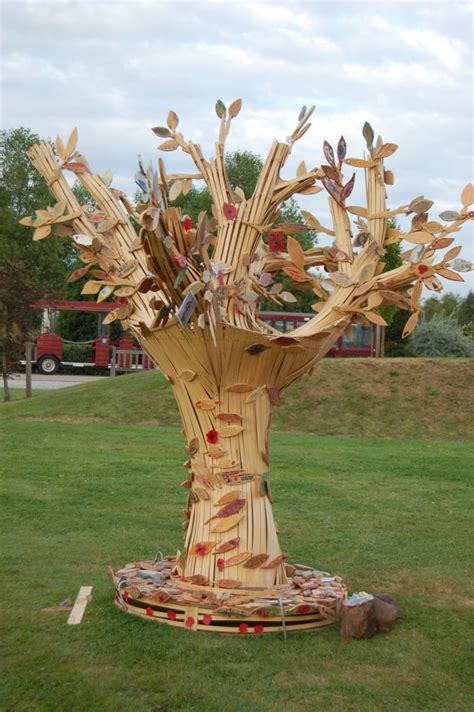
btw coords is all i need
(114, 69)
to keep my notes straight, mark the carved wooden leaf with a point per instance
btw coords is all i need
(255, 394)
(227, 498)
(175, 189)
(449, 274)
(192, 448)
(226, 524)
(161, 131)
(170, 145)
(368, 134)
(274, 562)
(410, 325)
(230, 417)
(387, 149)
(341, 149)
(296, 275)
(341, 279)
(235, 107)
(198, 579)
(375, 318)
(202, 493)
(227, 463)
(328, 152)
(205, 404)
(187, 375)
(216, 452)
(295, 252)
(91, 288)
(420, 237)
(230, 508)
(255, 561)
(202, 548)
(238, 559)
(60, 150)
(71, 142)
(467, 195)
(227, 545)
(229, 431)
(172, 120)
(357, 210)
(78, 273)
(229, 583)
(449, 215)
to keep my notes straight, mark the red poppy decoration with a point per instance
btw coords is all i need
(422, 269)
(303, 608)
(276, 243)
(243, 628)
(212, 436)
(116, 596)
(149, 611)
(230, 211)
(189, 622)
(187, 223)
(125, 596)
(207, 619)
(220, 563)
(171, 615)
(200, 549)
(258, 628)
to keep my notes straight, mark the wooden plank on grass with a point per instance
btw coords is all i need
(83, 598)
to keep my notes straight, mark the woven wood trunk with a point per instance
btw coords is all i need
(203, 374)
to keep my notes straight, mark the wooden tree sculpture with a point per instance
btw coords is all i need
(190, 296)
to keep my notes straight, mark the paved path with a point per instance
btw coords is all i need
(41, 382)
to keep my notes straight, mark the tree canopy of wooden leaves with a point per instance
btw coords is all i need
(219, 268)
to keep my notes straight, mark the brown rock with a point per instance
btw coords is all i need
(359, 621)
(387, 612)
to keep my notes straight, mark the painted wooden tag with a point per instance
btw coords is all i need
(233, 477)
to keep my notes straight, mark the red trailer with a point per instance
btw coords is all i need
(129, 356)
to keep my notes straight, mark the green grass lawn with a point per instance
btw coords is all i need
(387, 515)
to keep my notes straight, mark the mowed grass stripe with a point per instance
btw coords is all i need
(388, 398)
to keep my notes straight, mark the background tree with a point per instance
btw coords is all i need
(22, 191)
(440, 336)
(17, 319)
